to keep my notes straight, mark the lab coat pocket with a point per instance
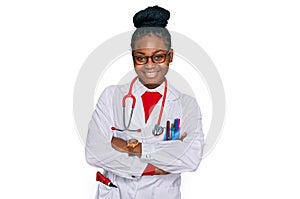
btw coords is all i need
(106, 192)
(167, 192)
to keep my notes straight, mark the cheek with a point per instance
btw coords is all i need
(165, 68)
(137, 69)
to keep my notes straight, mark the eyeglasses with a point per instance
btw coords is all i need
(157, 58)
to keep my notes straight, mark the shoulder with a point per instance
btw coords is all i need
(108, 90)
(177, 95)
(188, 103)
(113, 89)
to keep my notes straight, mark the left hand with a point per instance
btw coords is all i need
(121, 146)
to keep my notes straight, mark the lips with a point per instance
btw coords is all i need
(151, 74)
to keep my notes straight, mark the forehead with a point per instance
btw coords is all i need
(148, 51)
(150, 42)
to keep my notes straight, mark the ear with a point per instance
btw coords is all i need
(171, 55)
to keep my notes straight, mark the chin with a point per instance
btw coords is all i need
(152, 81)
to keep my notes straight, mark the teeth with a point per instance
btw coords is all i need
(151, 74)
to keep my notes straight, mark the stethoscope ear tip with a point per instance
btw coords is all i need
(113, 128)
(139, 130)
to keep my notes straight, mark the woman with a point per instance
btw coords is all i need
(144, 134)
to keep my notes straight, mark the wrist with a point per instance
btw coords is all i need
(132, 143)
(134, 147)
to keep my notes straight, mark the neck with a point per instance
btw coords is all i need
(151, 86)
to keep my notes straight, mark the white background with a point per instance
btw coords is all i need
(254, 45)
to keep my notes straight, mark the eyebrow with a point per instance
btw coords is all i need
(152, 52)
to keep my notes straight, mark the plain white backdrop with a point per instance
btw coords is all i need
(255, 46)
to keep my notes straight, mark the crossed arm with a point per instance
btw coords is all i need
(121, 146)
(111, 153)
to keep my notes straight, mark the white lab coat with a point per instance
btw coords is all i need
(174, 156)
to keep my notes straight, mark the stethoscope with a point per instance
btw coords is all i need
(157, 130)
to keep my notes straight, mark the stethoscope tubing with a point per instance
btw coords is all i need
(130, 95)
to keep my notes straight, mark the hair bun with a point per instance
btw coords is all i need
(151, 17)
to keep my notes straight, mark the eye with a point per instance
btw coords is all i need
(140, 58)
(158, 57)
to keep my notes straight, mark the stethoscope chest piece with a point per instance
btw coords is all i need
(158, 130)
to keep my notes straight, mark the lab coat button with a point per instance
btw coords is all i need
(148, 156)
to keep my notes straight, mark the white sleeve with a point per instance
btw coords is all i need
(99, 151)
(178, 156)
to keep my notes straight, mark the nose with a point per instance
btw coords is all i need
(150, 63)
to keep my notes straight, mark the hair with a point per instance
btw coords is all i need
(151, 21)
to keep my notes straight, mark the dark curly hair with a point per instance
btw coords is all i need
(151, 21)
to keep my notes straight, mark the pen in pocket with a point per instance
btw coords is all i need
(104, 180)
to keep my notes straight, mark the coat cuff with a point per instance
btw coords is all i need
(147, 150)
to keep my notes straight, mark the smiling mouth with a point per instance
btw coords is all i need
(151, 73)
